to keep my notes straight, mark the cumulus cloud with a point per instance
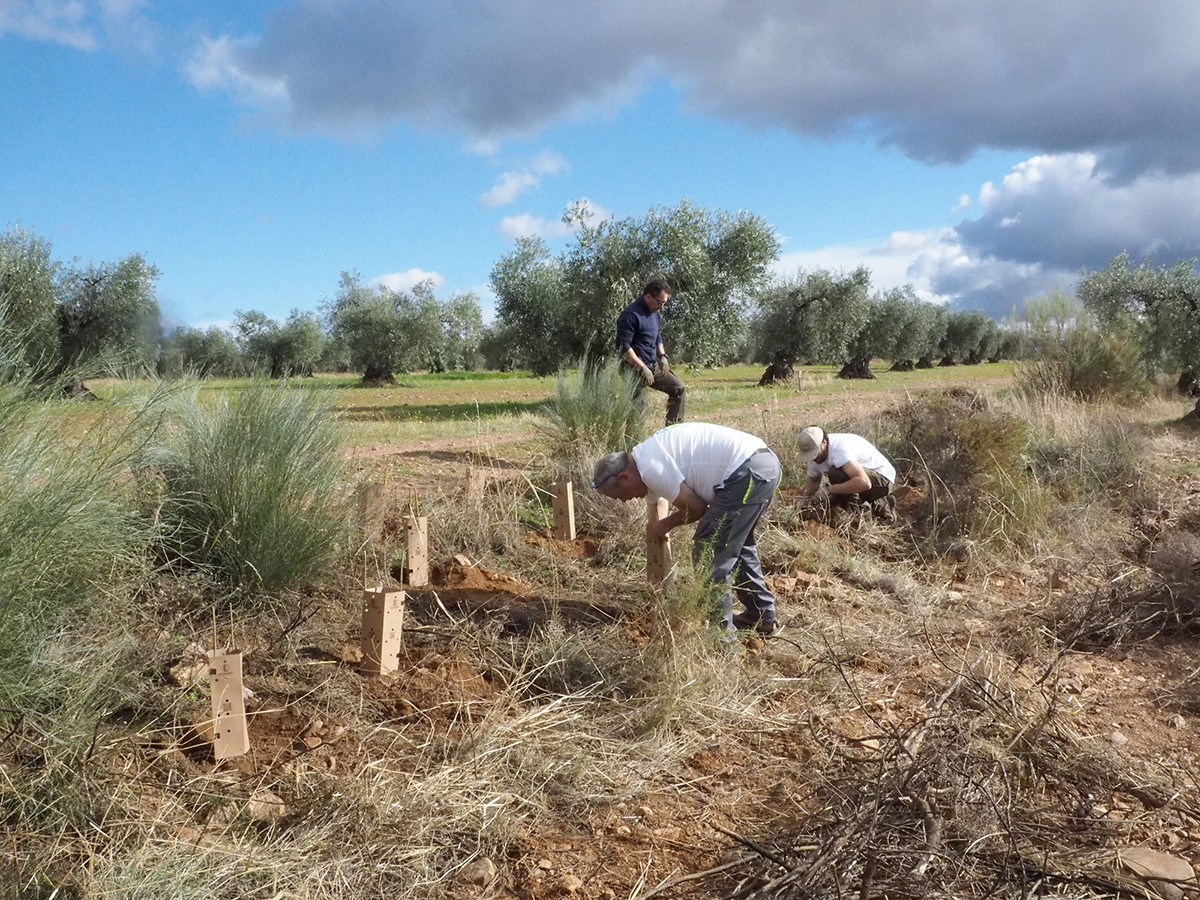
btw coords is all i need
(513, 184)
(1046, 221)
(82, 25)
(213, 66)
(406, 280)
(529, 225)
(1063, 212)
(937, 80)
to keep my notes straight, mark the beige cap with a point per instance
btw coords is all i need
(809, 443)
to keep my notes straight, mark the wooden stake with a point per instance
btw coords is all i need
(382, 621)
(659, 565)
(476, 483)
(564, 511)
(416, 552)
(371, 510)
(230, 736)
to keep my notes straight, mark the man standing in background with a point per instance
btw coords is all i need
(639, 341)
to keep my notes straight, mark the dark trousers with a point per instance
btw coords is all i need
(669, 385)
(880, 488)
(727, 531)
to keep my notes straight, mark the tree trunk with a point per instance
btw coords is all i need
(857, 368)
(947, 360)
(377, 375)
(777, 372)
(972, 359)
(902, 365)
(78, 390)
(925, 362)
(1188, 384)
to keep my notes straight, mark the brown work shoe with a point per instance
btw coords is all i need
(744, 621)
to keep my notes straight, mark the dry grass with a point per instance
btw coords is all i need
(925, 725)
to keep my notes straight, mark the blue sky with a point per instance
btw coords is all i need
(984, 152)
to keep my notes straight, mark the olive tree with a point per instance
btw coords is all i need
(28, 305)
(565, 308)
(386, 331)
(811, 317)
(206, 353)
(530, 325)
(369, 323)
(1159, 305)
(966, 337)
(279, 351)
(108, 317)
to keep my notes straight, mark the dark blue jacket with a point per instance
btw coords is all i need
(640, 329)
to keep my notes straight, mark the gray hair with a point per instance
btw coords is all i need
(609, 467)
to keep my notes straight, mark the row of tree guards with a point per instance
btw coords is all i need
(383, 616)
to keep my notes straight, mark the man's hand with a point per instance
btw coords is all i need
(647, 376)
(663, 365)
(659, 529)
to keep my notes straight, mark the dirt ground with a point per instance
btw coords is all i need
(718, 826)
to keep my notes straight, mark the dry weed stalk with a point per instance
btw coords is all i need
(989, 793)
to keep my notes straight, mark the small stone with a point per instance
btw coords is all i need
(480, 871)
(570, 883)
(1117, 738)
(622, 829)
(545, 864)
(188, 672)
(645, 812)
(264, 806)
(1162, 870)
(1177, 721)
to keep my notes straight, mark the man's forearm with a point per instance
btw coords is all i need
(633, 359)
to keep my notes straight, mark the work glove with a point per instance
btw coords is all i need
(663, 366)
(647, 376)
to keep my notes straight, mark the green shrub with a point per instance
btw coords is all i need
(594, 411)
(248, 485)
(970, 461)
(1086, 364)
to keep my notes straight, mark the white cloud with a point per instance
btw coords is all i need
(84, 25)
(529, 225)
(53, 21)
(512, 185)
(407, 280)
(214, 66)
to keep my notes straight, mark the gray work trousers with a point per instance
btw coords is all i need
(727, 530)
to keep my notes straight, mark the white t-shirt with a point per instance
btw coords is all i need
(846, 447)
(699, 454)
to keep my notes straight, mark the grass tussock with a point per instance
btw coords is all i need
(967, 456)
(247, 485)
(595, 410)
(66, 530)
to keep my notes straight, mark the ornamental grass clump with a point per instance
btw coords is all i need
(65, 533)
(248, 485)
(594, 411)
